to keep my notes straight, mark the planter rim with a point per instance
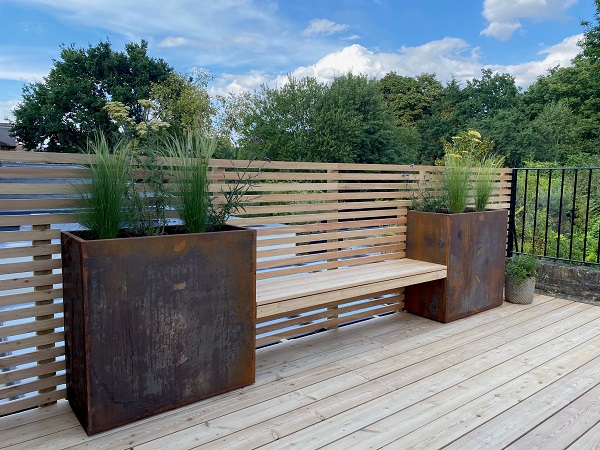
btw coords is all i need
(75, 234)
(456, 214)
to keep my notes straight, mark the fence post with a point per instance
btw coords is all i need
(512, 235)
(331, 178)
(38, 243)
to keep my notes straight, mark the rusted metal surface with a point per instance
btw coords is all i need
(473, 246)
(154, 323)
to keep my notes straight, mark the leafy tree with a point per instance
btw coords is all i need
(482, 98)
(61, 112)
(591, 36)
(572, 86)
(411, 99)
(278, 123)
(511, 132)
(346, 121)
(183, 101)
(555, 132)
(178, 103)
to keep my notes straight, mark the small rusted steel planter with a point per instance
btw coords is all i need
(153, 323)
(473, 247)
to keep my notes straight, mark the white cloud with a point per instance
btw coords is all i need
(444, 57)
(6, 107)
(502, 31)
(240, 83)
(188, 32)
(13, 67)
(560, 54)
(447, 58)
(173, 41)
(324, 26)
(503, 15)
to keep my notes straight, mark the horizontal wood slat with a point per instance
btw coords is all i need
(30, 327)
(311, 327)
(399, 232)
(31, 342)
(319, 258)
(323, 265)
(28, 297)
(340, 309)
(310, 207)
(30, 266)
(31, 402)
(334, 225)
(29, 250)
(30, 372)
(31, 357)
(32, 281)
(34, 311)
(331, 247)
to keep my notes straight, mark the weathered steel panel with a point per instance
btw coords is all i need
(164, 321)
(473, 246)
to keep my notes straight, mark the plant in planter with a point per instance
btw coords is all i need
(519, 280)
(470, 243)
(156, 322)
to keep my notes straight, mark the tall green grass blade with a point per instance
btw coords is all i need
(104, 196)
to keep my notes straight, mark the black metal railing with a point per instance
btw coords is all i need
(555, 214)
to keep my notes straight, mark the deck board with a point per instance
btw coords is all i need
(526, 375)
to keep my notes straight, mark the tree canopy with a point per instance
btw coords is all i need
(61, 112)
(304, 120)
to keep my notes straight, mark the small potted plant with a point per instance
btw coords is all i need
(519, 280)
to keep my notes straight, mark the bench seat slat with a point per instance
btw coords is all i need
(271, 311)
(320, 288)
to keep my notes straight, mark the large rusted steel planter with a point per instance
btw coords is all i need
(153, 323)
(473, 247)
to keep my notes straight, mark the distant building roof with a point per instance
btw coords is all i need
(6, 140)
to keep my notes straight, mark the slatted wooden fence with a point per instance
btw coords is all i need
(309, 217)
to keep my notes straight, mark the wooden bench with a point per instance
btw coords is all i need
(331, 244)
(279, 297)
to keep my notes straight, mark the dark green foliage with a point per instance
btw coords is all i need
(345, 121)
(411, 99)
(61, 113)
(522, 267)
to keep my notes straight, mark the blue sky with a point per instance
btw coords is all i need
(245, 43)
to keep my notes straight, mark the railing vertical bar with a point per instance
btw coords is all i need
(573, 214)
(524, 208)
(547, 212)
(587, 215)
(535, 209)
(560, 210)
(512, 234)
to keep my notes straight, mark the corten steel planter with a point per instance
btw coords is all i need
(473, 247)
(153, 323)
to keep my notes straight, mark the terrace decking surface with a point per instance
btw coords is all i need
(517, 376)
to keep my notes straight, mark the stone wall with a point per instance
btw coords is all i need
(572, 282)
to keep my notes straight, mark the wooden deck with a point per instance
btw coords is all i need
(518, 376)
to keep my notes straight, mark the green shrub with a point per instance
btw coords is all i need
(522, 266)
